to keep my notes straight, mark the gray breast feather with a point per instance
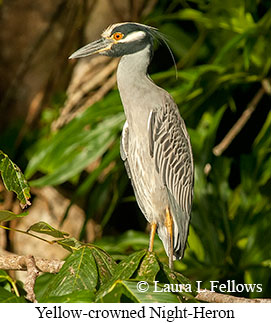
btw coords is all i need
(170, 148)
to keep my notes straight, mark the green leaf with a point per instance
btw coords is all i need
(14, 180)
(8, 215)
(267, 263)
(3, 276)
(80, 134)
(124, 270)
(131, 239)
(177, 278)
(149, 268)
(75, 152)
(70, 244)
(238, 23)
(105, 264)
(45, 228)
(42, 283)
(130, 290)
(114, 296)
(8, 297)
(78, 273)
(195, 244)
(81, 296)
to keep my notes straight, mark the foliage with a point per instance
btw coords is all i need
(6, 286)
(81, 142)
(222, 52)
(14, 180)
(89, 274)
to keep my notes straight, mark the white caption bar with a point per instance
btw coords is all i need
(136, 312)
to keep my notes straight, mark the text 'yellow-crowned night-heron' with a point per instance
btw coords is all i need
(155, 145)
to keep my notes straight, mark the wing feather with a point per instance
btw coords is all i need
(171, 149)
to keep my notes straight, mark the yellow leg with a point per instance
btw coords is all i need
(169, 226)
(152, 235)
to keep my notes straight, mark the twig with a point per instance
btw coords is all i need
(32, 274)
(238, 126)
(26, 232)
(213, 297)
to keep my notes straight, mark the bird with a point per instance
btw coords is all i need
(155, 145)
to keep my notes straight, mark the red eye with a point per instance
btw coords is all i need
(118, 36)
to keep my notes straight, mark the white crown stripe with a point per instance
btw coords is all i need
(108, 31)
(136, 35)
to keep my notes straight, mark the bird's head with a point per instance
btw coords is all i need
(120, 39)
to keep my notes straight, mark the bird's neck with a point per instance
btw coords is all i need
(132, 69)
(133, 81)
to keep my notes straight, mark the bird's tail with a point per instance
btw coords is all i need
(180, 230)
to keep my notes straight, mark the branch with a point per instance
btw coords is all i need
(238, 126)
(32, 274)
(33, 266)
(212, 297)
(16, 262)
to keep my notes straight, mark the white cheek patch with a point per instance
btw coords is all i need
(136, 35)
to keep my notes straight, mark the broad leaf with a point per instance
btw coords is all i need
(71, 155)
(8, 297)
(8, 215)
(45, 228)
(124, 270)
(128, 291)
(3, 276)
(70, 244)
(149, 268)
(78, 273)
(14, 180)
(81, 296)
(105, 264)
(42, 283)
(150, 296)
(178, 279)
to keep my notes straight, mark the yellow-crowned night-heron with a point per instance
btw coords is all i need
(155, 145)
